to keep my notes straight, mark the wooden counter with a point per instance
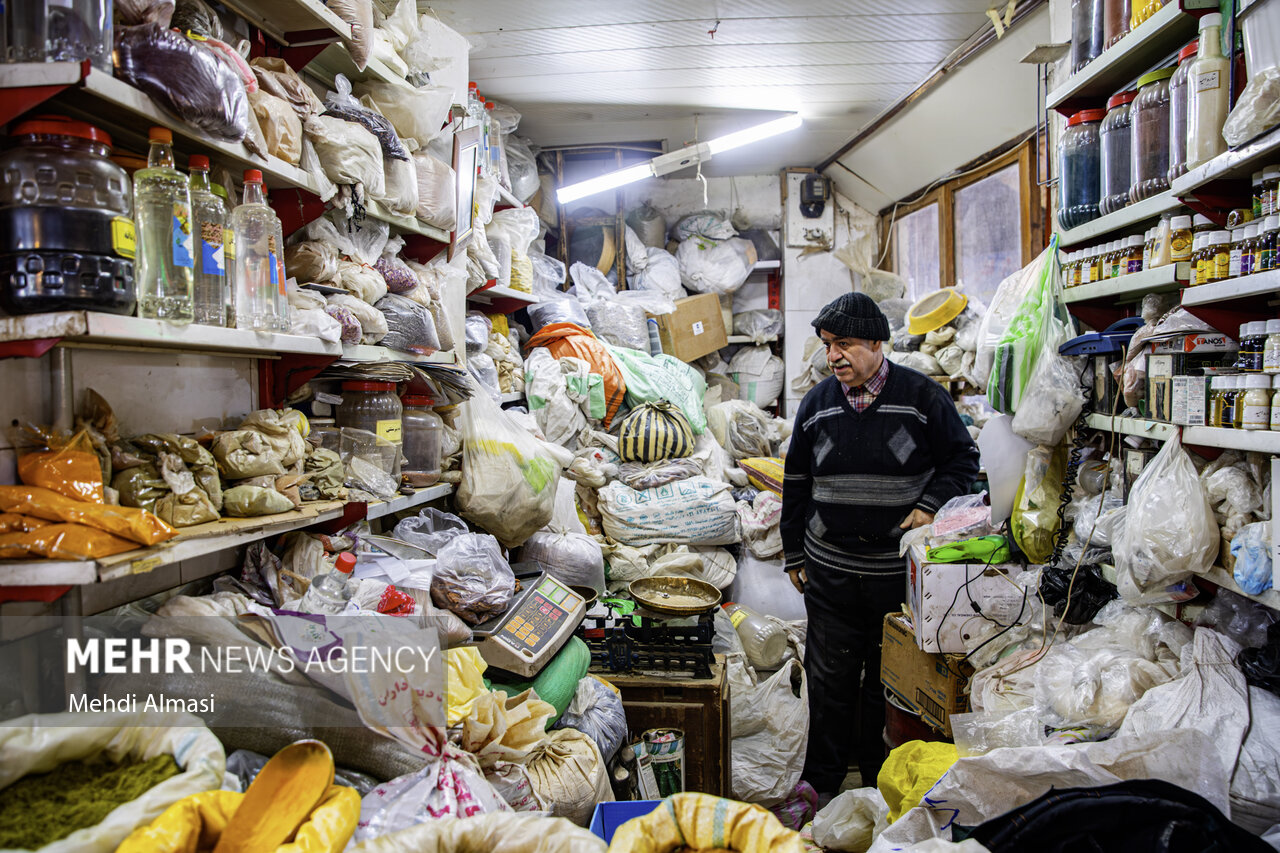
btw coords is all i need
(698, 706)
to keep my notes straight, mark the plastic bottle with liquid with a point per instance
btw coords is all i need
(255, 228)
(329, 592)
(166, 247)
(211, 292)
(764, 641)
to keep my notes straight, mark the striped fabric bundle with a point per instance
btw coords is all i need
(654, 431)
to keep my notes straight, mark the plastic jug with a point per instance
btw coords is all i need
(764, 641)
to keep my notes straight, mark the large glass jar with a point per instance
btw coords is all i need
(1178, 112)
(57, 31)
(372, 406)
(1116, 137)
(1078, 168)
(1087, 35)
(1143, 9)
(1150, 115)
(423, 429)
(1115, 20)
(66, 227)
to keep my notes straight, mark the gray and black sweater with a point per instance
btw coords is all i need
(852, 477)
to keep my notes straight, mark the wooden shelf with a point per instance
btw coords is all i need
(1224, 579)
(1133, 286)
(1258, 284)
(1124, 219)
(1161, 35)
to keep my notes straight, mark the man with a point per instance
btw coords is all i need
(876, 449)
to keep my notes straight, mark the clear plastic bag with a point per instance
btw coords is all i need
(437, 204)
(852, 820)
(276, 78)
(409, 325)
(281, 127)
(705, 223)
(1034, 334)
(574, 558)
(962, 517)
(522, 168)
(184, 77)
(758, 324)
(1169, 532)
(1035, 521)
(472, 579)
(430, 529)
(414, 113)
(1256, 110)
(342, 104)
(311, 260)
(1005, 309)
(349, 154)
(373, 326)
(711, 266)
(1052, 399)
(596, 711)
(1251, 550)
(363, 282)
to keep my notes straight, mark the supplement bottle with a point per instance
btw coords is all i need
(1256, 408)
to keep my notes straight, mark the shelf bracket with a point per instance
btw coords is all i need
(33, 348)
(18, 99)
(280, 377)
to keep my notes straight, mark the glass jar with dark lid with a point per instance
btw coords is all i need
(1150, 118)
(1079, 164)
(66, 227)
(372, 406)
(1116, 140)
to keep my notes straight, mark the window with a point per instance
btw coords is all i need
(972, 231)
(915, 251)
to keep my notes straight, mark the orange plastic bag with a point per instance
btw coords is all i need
(69, 468)
(128, 522)
(12, 522)
(567, 339)
(63, 542)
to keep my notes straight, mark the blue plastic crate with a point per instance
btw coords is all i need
(609, 816)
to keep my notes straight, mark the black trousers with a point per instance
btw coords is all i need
(842, 665)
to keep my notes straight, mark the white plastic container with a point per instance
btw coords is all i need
(763, 641)
(1260, 20)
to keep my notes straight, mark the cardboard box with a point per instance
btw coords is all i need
(695, 329)
(929, 684)
(1191, 400)
(943, 596)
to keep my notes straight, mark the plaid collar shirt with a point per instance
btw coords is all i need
(862, 396)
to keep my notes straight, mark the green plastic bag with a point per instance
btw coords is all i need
(662, 377)
(1041, 321)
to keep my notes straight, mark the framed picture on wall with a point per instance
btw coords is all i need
(466, 161)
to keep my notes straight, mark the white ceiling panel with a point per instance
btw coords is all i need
(596, 71)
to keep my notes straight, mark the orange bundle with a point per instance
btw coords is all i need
(63, 542)
(12, 522)
(566, 339)
(71, 469)
(136, 525)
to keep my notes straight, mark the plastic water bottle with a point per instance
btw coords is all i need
(764, 641)
(212, 290)
(256, 233)
(166, 247)
(655, 339)
(329, 592)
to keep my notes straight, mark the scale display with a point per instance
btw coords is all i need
(528, 635)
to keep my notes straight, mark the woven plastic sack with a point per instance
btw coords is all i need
(1169, 531)
(569, 775)
(695, 511)
(764, 472)
(705, 223)
(497, 832)
(567, 339)
(348, 153)
(759, 373)
(574, 558)
(437, 190)
(508, 479)
(39, 743)
(650, 378)
(649, 226)
(654, 431)
(770, 728)
(704, 822)
(711, 266)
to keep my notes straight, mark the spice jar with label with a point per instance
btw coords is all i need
(1132, 255)
(372, 406)
(1256, 408)
(1198, 259)
(1256, 185)
(1080, 169)
(1220, 256)
(1117, 137)
(1270, 190)
(1235, 251)
(1249, 248)
(1275, 403)
(1267, 243)
(1149, 116)
(1180, 239)
(1271, 350)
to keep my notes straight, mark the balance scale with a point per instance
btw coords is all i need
(535, 627)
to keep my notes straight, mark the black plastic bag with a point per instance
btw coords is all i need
(1089, 594)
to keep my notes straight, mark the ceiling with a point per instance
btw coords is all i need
(584, 71)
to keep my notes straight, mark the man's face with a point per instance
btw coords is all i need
(852, 360)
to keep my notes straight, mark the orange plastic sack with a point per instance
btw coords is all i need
(12, 522)
(137, 525)
(70, 470)
(63, 542)
(567, 339)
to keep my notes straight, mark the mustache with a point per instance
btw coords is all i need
(840, 363)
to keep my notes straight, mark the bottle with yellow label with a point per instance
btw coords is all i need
(68, 214)
(1220, 256)
(1180, 235)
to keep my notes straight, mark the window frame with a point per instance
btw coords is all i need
(944, 195)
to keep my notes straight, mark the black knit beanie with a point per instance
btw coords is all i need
(853, 315)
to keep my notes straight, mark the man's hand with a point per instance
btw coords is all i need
(918, 518)
(798, 579)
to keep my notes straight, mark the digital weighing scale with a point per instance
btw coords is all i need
(539, 622)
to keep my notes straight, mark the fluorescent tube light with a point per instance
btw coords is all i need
(690, 155)
(609, 181)
(754, 134)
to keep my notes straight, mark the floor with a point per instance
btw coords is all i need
(853, 780)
